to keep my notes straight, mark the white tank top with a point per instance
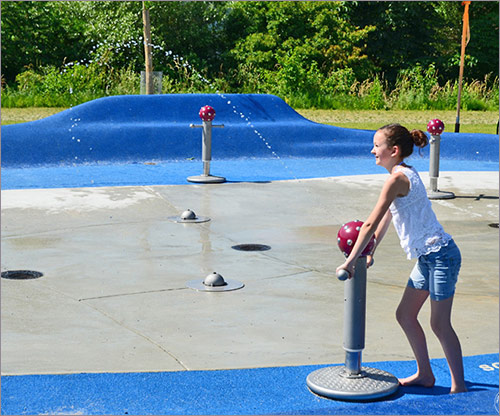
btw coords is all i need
(416, 224)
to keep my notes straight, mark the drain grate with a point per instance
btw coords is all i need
(21, 274)
(493, 225)
(251, 247)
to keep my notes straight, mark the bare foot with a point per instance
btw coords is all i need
(417, 380)
(457, 389)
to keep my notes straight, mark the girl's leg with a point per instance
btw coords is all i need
(407, 314)
(441, 325)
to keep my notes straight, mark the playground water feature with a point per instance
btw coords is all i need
(260, 151)
(150, 136)
(349, 147)
(179, 61)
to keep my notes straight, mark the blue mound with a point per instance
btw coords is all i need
(140, 128)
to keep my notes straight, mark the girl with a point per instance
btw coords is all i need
(403, 200)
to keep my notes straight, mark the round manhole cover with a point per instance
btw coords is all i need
(251, 247)
(21, 274)
(493, 225)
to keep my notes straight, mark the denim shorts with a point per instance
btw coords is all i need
(437, 272)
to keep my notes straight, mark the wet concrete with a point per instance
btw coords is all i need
(114, 297)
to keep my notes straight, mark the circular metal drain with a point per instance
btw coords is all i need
(21, 274)
(251, 247)
(493, 225)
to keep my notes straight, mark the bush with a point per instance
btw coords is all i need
(301, 86)
(419, 89)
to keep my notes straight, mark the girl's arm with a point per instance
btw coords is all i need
(379, 235)
(396, 185)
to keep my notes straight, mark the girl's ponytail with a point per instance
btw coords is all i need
(419, 138)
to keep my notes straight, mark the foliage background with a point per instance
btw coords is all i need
(335, 54)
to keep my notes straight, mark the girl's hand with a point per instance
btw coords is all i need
(369, 261)
(348, 267)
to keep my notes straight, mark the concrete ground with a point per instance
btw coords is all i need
(113, 297)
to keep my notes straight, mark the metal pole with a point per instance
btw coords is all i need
(206, 154)
(434, 161)
(355, 318)
(206, 151)
(434, 193)
(352, 381)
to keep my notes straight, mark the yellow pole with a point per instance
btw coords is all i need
(465, 41)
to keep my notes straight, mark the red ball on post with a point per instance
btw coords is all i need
(347, 236)
(435, 126)
(207, 113)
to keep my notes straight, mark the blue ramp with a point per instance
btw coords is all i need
(140, 128)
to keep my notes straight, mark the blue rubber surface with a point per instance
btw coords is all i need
(280, 390)
(114, 141)
(142, 128)
(146, 140)
(234, 170)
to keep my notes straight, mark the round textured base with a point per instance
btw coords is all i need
(201, 287)
(332, 382)
(206, 179)
(188, 221)
(440, 195)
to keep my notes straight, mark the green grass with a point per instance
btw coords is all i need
(470, 121)
(22, 115)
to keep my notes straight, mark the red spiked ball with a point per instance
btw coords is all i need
(435, 126)
(207, 113)
(347, 236)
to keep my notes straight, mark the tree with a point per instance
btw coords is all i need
(405, 33)
(36, 34)
(429, 32)
(263, 46)
(483, 45)
(109, 26)
(192, 30)
(290, 46)
(482, 51)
